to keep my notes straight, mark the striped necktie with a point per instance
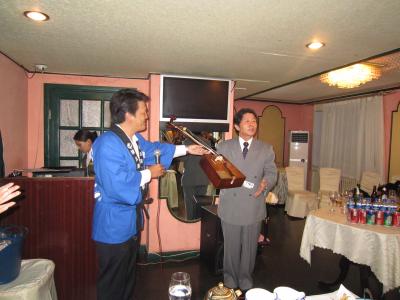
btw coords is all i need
(245, 149)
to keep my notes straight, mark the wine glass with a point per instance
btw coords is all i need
(341, 202)
(319, 197)
(333, 197)
(179, 286)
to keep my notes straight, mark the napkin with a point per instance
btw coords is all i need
(287, 293)
(344, 294)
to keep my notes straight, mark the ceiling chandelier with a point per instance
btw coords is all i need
(351, 76)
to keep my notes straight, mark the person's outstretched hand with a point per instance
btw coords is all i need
(8, 192)
(196, 150)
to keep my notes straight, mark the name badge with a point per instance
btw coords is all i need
(248, 184)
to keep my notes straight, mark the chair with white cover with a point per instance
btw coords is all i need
(368, 180)
(299, 201)
(329, 180)
(394, 178)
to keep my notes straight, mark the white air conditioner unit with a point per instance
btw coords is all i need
(298, 151)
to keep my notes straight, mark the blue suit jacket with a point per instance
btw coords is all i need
(117, 185)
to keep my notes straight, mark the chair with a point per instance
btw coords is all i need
(280, 188)
(394, 178)
(329, 180)
(368, 180)
(299, 201)
(34, 282)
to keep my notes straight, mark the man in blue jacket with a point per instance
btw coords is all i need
(124, 164)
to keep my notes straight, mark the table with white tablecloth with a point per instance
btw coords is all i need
(34, 282)
(373, 245)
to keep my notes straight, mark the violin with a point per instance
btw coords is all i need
(219, 170)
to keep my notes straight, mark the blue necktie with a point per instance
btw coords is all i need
(245, 149)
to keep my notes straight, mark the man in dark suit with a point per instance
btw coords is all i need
(242, 209)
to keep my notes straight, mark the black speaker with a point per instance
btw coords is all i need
(200, 201)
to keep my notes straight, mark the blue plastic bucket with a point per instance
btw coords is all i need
(11, 241)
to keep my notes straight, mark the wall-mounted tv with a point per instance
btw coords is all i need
(196, 102)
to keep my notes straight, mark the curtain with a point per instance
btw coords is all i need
(352, 136)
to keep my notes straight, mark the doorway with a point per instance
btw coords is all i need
(272, 131)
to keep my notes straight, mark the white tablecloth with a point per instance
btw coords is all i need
(373, 245)
(35, 282)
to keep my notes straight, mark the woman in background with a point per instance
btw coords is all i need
(84, 139)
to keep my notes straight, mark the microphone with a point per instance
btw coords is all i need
(157, 154)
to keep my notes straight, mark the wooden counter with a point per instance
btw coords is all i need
(58, 214)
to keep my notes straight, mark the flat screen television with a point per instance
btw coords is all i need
(197, 103)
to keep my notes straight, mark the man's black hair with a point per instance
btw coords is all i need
(239, 115)
(123, 101)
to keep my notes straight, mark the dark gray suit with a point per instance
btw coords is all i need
(241, 213)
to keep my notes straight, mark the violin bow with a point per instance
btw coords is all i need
(185, 131)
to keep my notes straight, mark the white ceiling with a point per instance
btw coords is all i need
(258, 43)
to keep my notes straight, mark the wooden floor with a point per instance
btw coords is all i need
(279, 264)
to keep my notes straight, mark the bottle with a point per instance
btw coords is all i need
(379, 212)
(356, 193)
(379, 191)
(374, 195)
(384, 195)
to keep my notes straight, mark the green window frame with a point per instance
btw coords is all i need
(54, 95)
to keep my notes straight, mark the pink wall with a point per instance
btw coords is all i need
(24, 98)
(36, 105)
(300, 117)
(13, 114)
(297, 117)
(175, 235)
(390, 104)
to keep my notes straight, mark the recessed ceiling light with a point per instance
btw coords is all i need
(315, 45)
(36, 16)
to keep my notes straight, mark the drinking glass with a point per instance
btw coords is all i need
(179, 286)
(392, 195)
(350, 194)
(333, 197)
(342, 202)
(319, 197)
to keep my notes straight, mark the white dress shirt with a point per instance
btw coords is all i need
(241, 141)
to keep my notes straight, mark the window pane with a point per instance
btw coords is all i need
(91, 113)
(67, 144)
(69, 163)
(69, 112)
(107, 114)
